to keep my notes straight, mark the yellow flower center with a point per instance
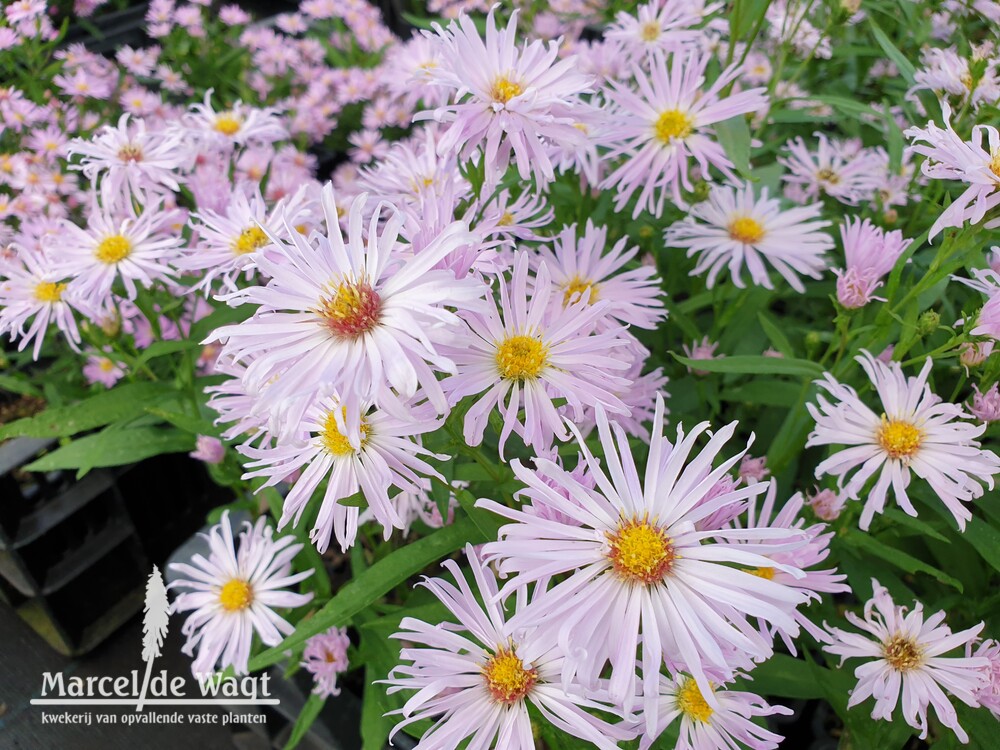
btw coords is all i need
(691, 702)
(576, 288)
(507, 681)
(650, 31)
(236, 595)
(505, 89)
(506, 220)
(995, 163)
(106, 365)
(130, 152)
(902, 653)
(49, 291)
(228, 124)
(767, 573)
(673, 124)
(746, 230)
(898, 438)
(641, 552)
(828, 175)
(250, 240)
(113, 249)
(352, 310)
(335, 442)
(521, 357)
(966, 80)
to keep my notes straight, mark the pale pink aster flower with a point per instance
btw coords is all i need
(356, 448)
(33, 288)
(870, 252)
(663, 124)
(325, 657)
(916, 433)
(510, 218)
(944, 72)
(208, 449)
(973, 162)
(525, 353)
(584, 267)
(704, 349)
(974, 353)
(753, 469)
(907, 655)
(133, 161)
(479, 675)
(511, 100)
(240, 124)
(837, 168)
(356, 315)
(412, 170)
(735, 228)
(662, 26)
(988, 696)
(103, 370)
(233, 594)
(986, 281)
(638, 567)
(986, 406)
(110, 247)
(826, 504)
(723, 723)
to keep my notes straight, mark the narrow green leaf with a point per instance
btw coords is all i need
(115, 448)
(765, 392)
(775, 335)
(985, 539)
(754, 365)
(196, 425)
(787, 677)
(161, 348)
(868, 543)
(305, 720)
(373, 584)
(734, 137)
(906, 68)
(121, 403)
(925, 529)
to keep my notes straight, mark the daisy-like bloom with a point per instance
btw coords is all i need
(638, 568)
(103, 370)
(356, 448)
(238, 125)
(527, 353)
(836, 168)
(986, 281)
(355, 315)
(986, 406)
(32, 289)
(479, 675)
(661, 26)
(583, 267)
(208, 449)
(232, 594)
(907, 655)
(870, 253)
(665, 123)
(914, 433)
(728, 720)
(988, 695)
(944, 72)
(975, 162)
(325, 657)
(734, 227)
(134, 249)
(826, 504)
(704, 349)
(133, 160)
(511, 100)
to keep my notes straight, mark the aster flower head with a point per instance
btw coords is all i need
(638, 568)
(986, 406)
(325, 658)
(723, 723)
(839, 169)
(733, 228)
(907, 655)
(914, 433)
(355, 314)
(584, 267)
(870, 252)
(509, 100)
(704, 349)
(661, 26)
(479, 675)
(663, 121)
(239, 125)
(525, 353)
(232, 594)
(975, 162)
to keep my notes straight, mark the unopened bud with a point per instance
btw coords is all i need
(928, 322)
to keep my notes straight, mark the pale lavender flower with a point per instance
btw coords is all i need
(826, 504)
(662, 26)
(208, 449)
(239, 125)
(840, 169)
(103, 370)
(753, 469)
(704, 349)
(907, 654)
(986, 406)
(870, 253)
(916, 434)
(325, 657)
(232, 594)
(988, 695)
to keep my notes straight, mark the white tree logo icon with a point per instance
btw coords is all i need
(154, 626)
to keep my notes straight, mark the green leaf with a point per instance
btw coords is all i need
(754, 365)
(985, 539)
(764, 392)
(196, 425)
(115, 448)
(906, 68)
(15, 384)
(305, 720)
(776, 336)
(373, 584)
(161, 348)
(734, 137)
(868, 543)
(787, 677)
(122, 403)
(921, 527)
